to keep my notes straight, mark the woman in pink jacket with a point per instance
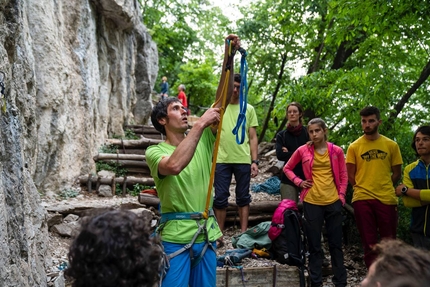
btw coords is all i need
(323, 194)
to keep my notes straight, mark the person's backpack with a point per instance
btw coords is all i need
(254, 237)
(286, 233)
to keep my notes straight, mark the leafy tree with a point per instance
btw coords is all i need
(187, 34)
(355, 53)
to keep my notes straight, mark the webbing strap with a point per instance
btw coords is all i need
(243, 100)
(223, 99)
(183, 215)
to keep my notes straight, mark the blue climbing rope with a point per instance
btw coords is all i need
(243, 99)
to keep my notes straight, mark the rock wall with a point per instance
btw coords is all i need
(76, 72)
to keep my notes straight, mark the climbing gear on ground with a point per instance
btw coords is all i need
(270, 186)
(254, 237)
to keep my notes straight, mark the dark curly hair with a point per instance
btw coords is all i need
(160, 111)
(114, 249)
(369, 111)
(425, 130)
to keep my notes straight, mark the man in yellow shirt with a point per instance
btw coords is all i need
(238, 159)
(374, 164)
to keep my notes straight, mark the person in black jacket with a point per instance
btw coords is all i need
(287, 141)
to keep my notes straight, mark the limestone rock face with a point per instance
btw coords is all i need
(76, 72)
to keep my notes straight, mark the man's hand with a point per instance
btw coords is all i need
(399, 189)
(210, 117)
(254, 170)
(235, 40)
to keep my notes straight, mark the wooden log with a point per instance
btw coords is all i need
(126, 163)
(145, 129)
(149, 181)
(260, 206)
(113, 156)
(139, 170)
(149, 199)
(260, 218)
(140, 143)
(140, 151)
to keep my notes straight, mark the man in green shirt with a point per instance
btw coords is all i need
(181, 168)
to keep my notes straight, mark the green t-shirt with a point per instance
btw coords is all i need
(229, 151)
(185, 192)
(373, 161)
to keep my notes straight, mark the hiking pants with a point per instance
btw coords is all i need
(315, 215)
(372, 216)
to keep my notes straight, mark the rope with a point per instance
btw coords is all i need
(271, 186)
(223, 98)
(243, 99)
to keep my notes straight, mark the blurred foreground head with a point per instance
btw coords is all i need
(114, 249)
(398, 265)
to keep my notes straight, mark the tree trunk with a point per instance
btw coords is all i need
(425, 73)
(272, 103)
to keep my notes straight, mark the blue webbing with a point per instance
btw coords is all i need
(243, 99)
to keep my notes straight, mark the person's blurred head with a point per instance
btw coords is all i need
(317, 130)
(159, 111)
(114, 249)
(294, 113)
(398, 264)
(181, 87)
(164, 79)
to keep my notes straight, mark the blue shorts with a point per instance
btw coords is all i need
(180, 273)
(223, 175)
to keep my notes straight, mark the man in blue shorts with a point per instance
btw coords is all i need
(181, 168)
(238, 159)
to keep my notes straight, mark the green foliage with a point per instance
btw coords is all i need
(137, 188)
(128, 135)
(119, 171)
(404, 222)
(68, 193)
(187, 37)
(107, 149)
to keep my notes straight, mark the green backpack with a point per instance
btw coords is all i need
(255, 237)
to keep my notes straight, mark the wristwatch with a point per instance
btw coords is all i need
(404, 190)
(255, 161)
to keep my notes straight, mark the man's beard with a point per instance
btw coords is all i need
(370, 132)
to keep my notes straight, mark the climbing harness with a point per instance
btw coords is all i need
(2, 95)
(243, 99)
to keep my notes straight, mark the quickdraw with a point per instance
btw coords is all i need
(3, 104)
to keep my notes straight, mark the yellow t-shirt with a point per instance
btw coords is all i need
(229, 151)
(323, 190)
(373, 161)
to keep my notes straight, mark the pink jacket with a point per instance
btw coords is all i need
(305, 154)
